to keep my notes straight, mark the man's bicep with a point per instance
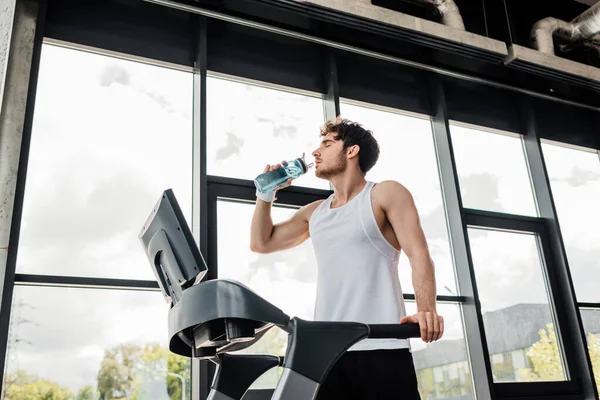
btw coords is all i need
(290, 233)
(403, 216)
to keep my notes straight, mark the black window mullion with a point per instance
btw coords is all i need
(332, 94)
(539, 390)
(202, 371)
(84, 282)
(589, 305)
(496, 220)
(241, 189)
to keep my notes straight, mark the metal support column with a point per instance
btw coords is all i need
(16, 117)
(202, 371)
(331, 102)
(474, 330)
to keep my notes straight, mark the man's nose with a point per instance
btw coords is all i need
(315, 153)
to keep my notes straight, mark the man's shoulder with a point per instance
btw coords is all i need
(308, 209)
(390, 187)
(389, 191)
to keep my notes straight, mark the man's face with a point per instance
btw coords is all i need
(330, 157)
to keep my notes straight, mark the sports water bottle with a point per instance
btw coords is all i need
(268, 181)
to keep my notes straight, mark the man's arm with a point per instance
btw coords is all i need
(401, 212)
(268, 238)
(265, 237)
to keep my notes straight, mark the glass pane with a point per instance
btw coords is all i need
(514, 301)
(251, 126)
(492, 171)
(108, 137)
(90, 343)
(443, 370)
(408, 156)
(287, 279)
(591, 326)
(575, 181)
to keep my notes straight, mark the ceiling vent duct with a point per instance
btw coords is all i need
(447, 9)
(585, 30)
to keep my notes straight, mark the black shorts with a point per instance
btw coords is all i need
(374, 374)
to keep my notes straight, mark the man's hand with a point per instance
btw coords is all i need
(270, 168)
(431, 324)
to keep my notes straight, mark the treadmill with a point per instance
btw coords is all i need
(208, 319)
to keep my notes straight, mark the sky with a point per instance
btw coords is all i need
(110, 135)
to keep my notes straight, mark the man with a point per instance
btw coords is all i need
(357, 234)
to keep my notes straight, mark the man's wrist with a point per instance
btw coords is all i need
(431, 310)
(268, 197)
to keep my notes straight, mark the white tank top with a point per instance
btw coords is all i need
(357, 276)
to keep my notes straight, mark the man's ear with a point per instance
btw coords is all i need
(352, 151)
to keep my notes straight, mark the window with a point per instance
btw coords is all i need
(108, 137)
(516, 308)
(250, 126)
(408, 156)
(90, 343)
(442, 367)
(575, 182)
(492, 171)
(287, 279)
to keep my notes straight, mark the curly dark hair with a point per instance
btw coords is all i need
(352, 133)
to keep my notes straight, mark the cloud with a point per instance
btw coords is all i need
(95, 233)
(114, 74)
(579, 177)
(585, 272)
(289, 131)
(297, 264)
(434, 224)
(161, 100)
(232, 147)
(480, 190)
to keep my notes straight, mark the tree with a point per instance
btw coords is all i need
(594, 349)
(117, 371)
(87, 393)
(21, 385)
(134, 372)
(178, 366)
(130, 371)
(544, 357)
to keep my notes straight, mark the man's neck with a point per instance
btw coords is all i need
(345, 188)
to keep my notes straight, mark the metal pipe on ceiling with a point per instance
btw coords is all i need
(448, 10)
(450, 13)
(584, 28)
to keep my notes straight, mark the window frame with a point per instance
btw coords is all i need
(480, 219)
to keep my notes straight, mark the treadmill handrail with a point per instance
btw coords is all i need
(394, 331)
